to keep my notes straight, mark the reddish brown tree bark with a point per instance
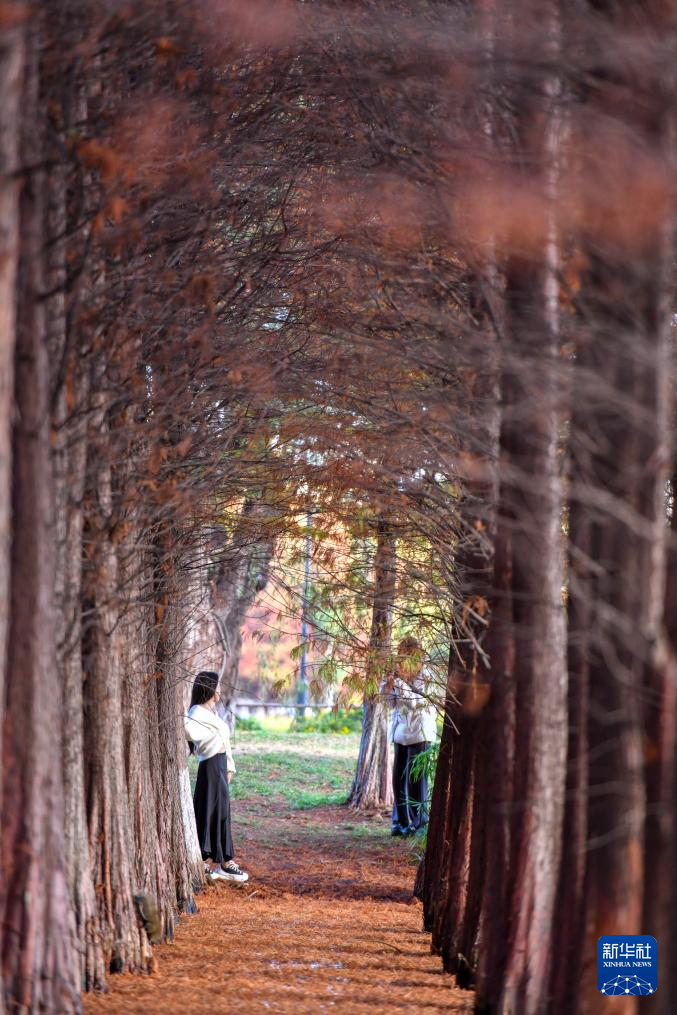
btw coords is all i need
(622, 368)
(624, 492)
(12, 52)
(372, 788)
(121, 942)
(181, 859)
(453, 874)
(39, 967)
(660, 752)
(242, 573)
(530, 508)
(526, 775)
(495, 774)
(571, 888)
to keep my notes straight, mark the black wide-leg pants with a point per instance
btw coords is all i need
(411, 796)
(211, 801)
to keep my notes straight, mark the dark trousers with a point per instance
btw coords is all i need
(211, 801)
(411, 796)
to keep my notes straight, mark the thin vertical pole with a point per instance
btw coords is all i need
(302, 693)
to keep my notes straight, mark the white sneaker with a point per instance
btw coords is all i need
(231, 872)
(216, 874)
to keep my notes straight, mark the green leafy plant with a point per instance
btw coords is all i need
(425, 764)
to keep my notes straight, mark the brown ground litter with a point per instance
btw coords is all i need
(326, 922)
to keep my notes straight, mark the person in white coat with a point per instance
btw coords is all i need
(412, 730)
(209, 737)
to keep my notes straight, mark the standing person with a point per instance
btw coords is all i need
(412, 730)
(209, 736)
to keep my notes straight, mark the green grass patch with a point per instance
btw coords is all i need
(305, 769)
(328, 721)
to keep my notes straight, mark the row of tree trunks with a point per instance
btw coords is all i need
(372, 788)
(94, 793)
(451, 878)
(619, 483)
(619, 829)
(574, 778)
(505, 810)
(451, 888)
(39, 968)
(624, 667)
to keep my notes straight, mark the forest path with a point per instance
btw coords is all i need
(326, 922)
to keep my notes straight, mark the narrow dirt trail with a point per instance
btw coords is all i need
(327, 922)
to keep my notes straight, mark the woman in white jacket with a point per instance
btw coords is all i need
(413, 728)
(209, 737)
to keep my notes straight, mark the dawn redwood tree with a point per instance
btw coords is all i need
(530, 505)
(495, 765)
(105, 653)
(618, 535)
(534, 504)
(242, 566)
(94, 590)
(621, 438)
(109, 816)
(494, 919)
(39, 970)
(660, 912)
(12, 55)
(69, 192)
(450, 887)
(372, 784)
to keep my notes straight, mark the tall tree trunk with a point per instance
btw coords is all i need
(143, 736)
(242, 573)
(624, 492)
(661, 760)
(12, 52)
(571, 889)
(38, 948)
(528, 640)
(431, 885)
(453, 876)
(540, 661)
(621, 373)
(69, 399)
(186, 868)
(495, 774)
(458, 861)
(530, 505)
(372, 785)
(667, 816)
(112, 844)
